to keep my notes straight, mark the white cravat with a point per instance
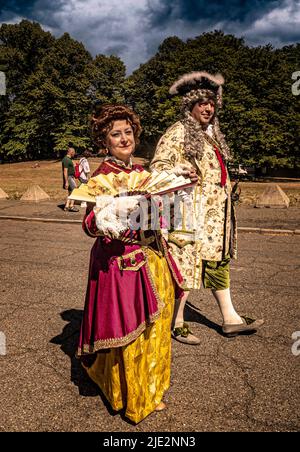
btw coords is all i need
(210, 130)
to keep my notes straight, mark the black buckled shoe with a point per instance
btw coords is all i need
(248, 325)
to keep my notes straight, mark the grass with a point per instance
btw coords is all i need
(252, 190)
(15, 178)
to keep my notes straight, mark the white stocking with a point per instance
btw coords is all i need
(229, 314)
(178, 310)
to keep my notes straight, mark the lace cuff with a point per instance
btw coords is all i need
(107, 221)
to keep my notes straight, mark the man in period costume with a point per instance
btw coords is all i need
(205, 240)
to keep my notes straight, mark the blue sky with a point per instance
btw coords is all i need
(133, 29)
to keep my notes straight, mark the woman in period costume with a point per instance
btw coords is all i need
(125, 340)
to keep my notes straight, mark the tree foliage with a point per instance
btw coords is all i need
(52, 84)
(260, 115)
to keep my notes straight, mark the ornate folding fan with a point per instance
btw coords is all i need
(155, 183)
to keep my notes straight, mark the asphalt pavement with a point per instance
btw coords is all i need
(248, 216)
(247, 383)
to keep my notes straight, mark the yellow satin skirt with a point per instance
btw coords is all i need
(135, 377)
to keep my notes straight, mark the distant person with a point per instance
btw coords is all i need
(85, 171)
(69, 181)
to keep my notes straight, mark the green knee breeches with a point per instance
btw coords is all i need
(216, 275)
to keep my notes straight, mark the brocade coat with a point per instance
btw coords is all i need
(208, 228)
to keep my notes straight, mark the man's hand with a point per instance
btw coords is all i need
(66, 186)
(193, 176)
(186, 171)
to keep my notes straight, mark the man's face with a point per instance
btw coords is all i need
(203, 112)
(71, 152)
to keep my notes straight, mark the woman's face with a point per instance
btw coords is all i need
(120, 140)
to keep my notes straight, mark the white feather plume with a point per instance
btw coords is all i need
(193, 77)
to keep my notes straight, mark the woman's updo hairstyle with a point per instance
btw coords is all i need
(103, 119)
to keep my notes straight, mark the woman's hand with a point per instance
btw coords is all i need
(125, 205)
(113, 219)
(121, 206)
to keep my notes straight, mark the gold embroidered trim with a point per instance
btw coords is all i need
(134, 268)
(182, 231)
(121, 259)
(180, 243)
(132, 254)
(154, 316)
(143, 242)
(160, 303)
(215, 144)
(146, 241)
(112, 165)
(166, 251)
(211, 141)
(119, 341)
(197, 278)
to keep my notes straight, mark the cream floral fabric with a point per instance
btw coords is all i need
(208, 227)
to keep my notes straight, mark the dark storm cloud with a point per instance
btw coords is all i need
(103, 26)
(164, 11)
(17, 6)
(133, 29)
(36, 10)
(116, 49)
(259, 22)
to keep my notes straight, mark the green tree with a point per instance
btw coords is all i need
(107, 75)
(53, 83)
(50, 105)
(260, 117)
